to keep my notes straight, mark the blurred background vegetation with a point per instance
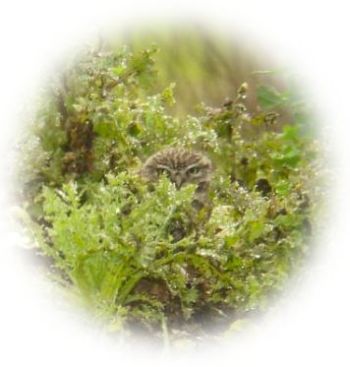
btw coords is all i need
(208, 67)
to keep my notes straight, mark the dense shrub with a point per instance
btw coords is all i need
(107, 231)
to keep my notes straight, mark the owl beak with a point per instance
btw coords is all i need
(178, 181)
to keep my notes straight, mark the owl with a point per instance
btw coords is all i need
(182, 166)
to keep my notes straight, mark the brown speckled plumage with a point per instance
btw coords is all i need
(182, 166)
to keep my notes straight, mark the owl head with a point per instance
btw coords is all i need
(180, 165)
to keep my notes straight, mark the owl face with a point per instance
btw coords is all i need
(181, 166)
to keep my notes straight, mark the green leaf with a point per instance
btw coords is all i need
(168, 95)
(283, 188)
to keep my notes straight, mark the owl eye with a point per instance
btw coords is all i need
(193, 170)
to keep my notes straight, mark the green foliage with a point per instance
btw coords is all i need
(109, 233)
(269, 97)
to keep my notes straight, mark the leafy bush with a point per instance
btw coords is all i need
(107, 231)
